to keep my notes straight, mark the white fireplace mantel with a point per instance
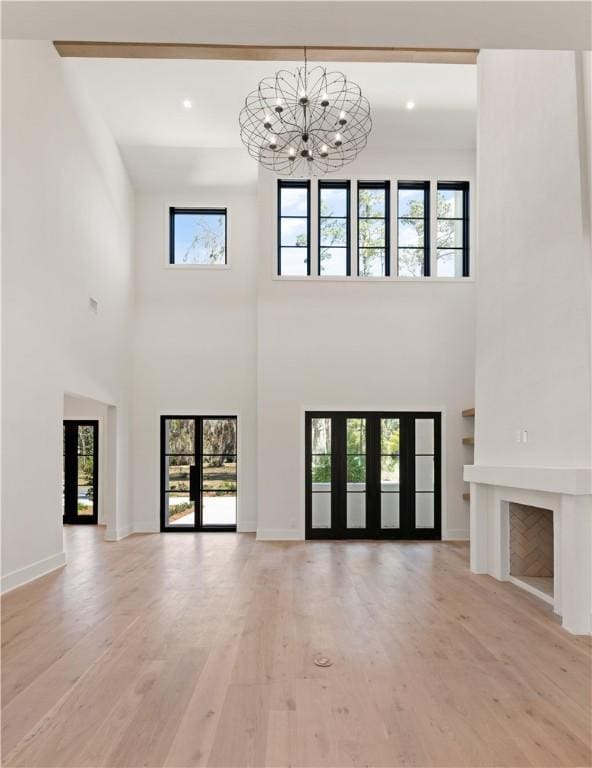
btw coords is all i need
(572, 480)
(568, 493)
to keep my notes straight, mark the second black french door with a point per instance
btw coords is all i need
(373, 475)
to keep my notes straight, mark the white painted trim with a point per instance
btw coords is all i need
(273, 534)
(533, 590)
(249, 526)
(456, 534)
(34, 571)
(116, 534)
(569, 480)
(146, 526)
(369, 279)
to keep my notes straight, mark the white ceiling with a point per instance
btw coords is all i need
(141, 103)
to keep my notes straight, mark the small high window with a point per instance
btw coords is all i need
(373, 229)
(453, 229)
(197, 236)
(413, 231)
(294, 228)
(334, 229)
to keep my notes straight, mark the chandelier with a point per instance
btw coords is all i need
(305, 122)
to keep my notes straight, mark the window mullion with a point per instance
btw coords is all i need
(433, 226)
(313, 229)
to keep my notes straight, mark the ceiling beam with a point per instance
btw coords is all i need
(99, 50)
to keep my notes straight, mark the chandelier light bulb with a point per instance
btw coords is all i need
(305, 121)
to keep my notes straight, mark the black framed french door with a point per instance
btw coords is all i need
(81, 472)
(373, 475)
(198, 479)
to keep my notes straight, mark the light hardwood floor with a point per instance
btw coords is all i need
(197, 649)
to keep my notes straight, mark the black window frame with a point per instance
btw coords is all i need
(71, 455)
(293, 184)
(334, 184)
(196, 475)
(425, 186)
(464, 187)
(174, 211)
(386, 186)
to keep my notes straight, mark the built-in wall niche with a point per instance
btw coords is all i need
(531, 547)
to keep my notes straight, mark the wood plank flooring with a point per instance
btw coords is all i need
(197, 650)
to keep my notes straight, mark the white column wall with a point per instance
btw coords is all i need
(67, 236)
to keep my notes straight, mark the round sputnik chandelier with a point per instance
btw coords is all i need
(306, 122)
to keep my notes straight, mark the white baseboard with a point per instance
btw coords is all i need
(533, 590)
(456, 534)
(34, 571)
(146, 526)
(116, 534)
(248, 526)
(278, 534)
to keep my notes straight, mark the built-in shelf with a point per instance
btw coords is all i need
(466, 496)
(468, 440)
(468, 412)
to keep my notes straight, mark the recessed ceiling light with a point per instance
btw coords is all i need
(187, 103)
(410, 104)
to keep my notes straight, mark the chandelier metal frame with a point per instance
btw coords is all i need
(305, 122)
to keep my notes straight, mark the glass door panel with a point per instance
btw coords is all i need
(178, 458)
(390, 464)
(425, 458)
(218, 476)
(80, 471)
(320, 473)
(356, 473)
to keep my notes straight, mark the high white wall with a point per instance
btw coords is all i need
(67, 235)
(533, 293)
(195, 337)
(360, 344)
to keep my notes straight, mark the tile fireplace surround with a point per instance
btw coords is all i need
(568, 494)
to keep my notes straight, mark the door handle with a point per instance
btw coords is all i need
(193, 482)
